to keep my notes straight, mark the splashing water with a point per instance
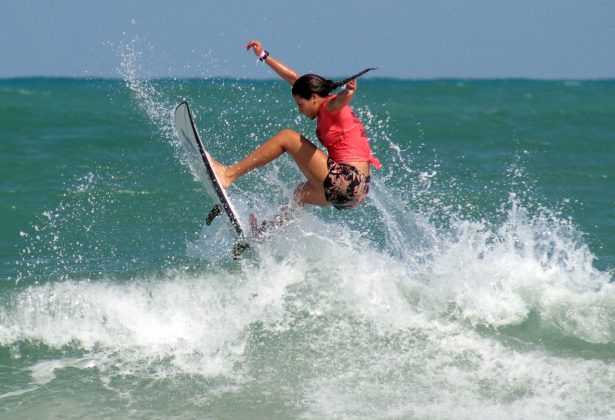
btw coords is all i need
(155, 104)
(410, 306)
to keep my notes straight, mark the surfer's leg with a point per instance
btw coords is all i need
(311, 160)
(286, 214)
(306, 193)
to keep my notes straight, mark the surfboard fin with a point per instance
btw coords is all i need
(239, 248)
(215, 212)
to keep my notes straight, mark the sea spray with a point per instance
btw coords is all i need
(153, 102)
(435, 236)
(436, 298)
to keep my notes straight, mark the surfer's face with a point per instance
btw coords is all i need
(308, 107)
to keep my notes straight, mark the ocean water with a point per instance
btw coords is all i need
(475, 282)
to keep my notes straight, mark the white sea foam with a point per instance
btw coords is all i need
(370, 332)
(468, 319)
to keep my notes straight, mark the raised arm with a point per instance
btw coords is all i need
(280, 68)
(343, 98)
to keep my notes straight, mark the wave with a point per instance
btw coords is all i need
(405, 307)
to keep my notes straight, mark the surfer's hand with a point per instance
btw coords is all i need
(343, 98)
(351, 86)
(256, 46)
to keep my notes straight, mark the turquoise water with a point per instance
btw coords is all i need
(475, 282)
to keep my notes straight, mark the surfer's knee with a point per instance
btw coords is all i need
(290, 140)
(288, 132)
(288, 135)
(287, 139)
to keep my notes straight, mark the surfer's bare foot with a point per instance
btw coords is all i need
(220, 171)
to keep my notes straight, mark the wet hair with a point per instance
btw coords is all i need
(308, 84)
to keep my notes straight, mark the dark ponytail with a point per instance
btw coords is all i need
(309, 84)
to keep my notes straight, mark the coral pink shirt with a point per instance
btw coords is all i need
(343, 136)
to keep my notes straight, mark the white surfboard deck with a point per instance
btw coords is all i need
(201, 162)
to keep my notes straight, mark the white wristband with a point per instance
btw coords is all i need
(263, 56)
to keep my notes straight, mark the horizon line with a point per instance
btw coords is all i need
(274, 79)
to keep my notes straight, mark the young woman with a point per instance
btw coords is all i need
(340, 179)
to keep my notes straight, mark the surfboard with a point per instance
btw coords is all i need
(201, 162)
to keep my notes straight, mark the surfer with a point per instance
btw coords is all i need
(342, 177)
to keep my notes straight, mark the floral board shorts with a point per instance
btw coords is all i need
(345, 186)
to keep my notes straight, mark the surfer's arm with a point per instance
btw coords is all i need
(343, 98)
(283, 70)
(280, 68)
